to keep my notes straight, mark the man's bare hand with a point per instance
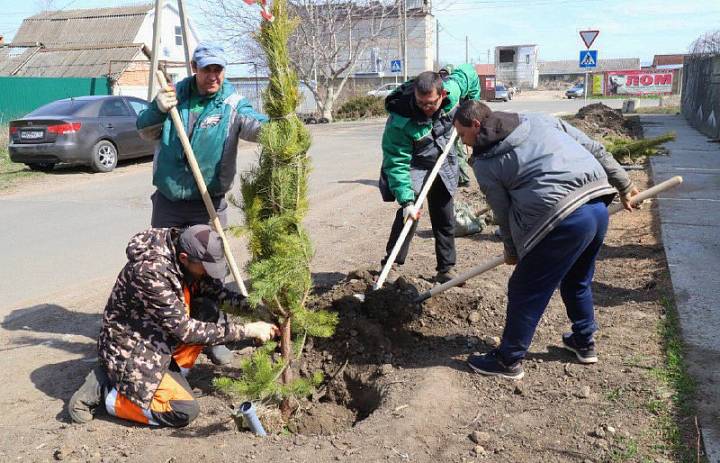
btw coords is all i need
(627, 197)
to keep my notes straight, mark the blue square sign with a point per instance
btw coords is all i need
(588, 58)
(396, 65)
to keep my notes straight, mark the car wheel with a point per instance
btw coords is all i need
(41, 166)
(104, 156)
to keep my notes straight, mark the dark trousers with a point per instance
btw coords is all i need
(442, 218)
(565, 258)
(184, 213)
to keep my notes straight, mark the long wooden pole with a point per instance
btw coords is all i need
(497, 261)
(214, 219)
(418, 203)
(157, 27)
(185, 35)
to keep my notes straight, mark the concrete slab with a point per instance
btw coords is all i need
(690, 222)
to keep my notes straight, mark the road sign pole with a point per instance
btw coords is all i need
(585, 88)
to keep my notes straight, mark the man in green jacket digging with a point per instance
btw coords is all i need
(416, 132)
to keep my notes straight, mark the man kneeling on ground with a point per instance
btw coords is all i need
(164, 308)
(548, 185)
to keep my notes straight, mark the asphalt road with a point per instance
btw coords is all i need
(68, 233)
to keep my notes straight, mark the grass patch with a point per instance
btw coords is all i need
(675, 415)
(628, 451)
(658, 110)
(11, 172)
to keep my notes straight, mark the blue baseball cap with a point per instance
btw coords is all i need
(207, 53)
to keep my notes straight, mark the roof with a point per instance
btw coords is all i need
(668, 60)
(12, 58)
(69, 61)
(516, 46)
(88, 26)
(572, 67)
(485, 69)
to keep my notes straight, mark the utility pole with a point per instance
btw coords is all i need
(488, 59)
(155, 48)
(437, 45)
(405, 60)
(467, 49)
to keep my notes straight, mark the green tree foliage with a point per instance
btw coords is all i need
(627, 149)
(274, 197)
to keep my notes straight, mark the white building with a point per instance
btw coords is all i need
(517, 64)
(420, 25)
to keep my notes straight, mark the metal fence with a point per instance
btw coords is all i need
(701, 94)
(21, 95)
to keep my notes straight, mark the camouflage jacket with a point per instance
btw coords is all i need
(145, 318)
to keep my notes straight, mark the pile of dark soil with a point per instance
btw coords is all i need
(378, 332)
(600, 121)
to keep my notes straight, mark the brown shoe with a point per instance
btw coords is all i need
(444, 277)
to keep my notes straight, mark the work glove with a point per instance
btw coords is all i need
(410, 211)
(166, 99)
(261, 331)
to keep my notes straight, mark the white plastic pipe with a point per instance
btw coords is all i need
(491, 264)
(418, 203)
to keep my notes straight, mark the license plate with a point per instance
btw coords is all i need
(31, 134)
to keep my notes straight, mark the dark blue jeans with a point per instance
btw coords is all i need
(565, 258)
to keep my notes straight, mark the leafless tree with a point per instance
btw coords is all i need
(332, 39)
(707, 44)
(46, 5)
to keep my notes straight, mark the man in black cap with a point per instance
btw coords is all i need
(163, 309)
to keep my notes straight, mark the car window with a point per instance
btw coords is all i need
(114, 107)
(137, 106)
(60, 108)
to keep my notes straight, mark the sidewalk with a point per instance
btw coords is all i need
(690, 224)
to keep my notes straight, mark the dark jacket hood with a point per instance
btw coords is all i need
(492, 139)
(402, 102)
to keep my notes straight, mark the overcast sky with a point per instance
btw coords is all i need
(628, 28)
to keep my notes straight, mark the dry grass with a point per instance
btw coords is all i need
(658, 110)
(10, 172)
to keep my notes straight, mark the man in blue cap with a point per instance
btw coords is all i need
(215, 118)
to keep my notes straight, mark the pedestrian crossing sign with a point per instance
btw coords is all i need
(396, 65)
(588, 58)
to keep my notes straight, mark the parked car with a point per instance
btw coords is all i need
(501, 93)
(92, 130)
(576, 91)
(383, 91)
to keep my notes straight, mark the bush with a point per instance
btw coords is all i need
(360, 107)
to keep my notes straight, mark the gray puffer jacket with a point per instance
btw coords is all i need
(535, 170)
